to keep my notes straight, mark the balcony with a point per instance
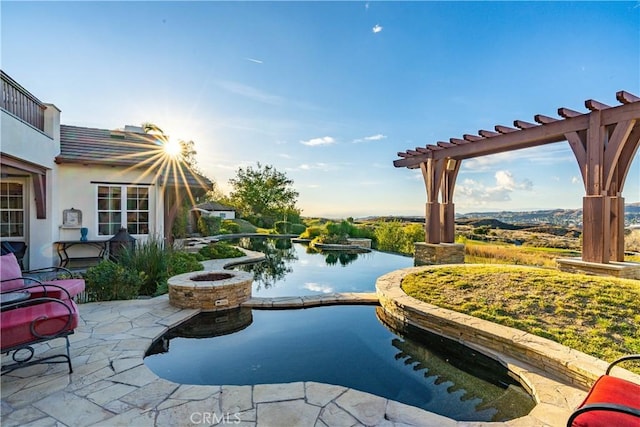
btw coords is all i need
(20, 103)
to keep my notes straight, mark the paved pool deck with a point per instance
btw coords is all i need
(111, 386)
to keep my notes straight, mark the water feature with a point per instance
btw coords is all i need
(294, 269)
(342, 345)
(352, 346)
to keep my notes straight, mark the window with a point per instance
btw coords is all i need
(11, 209)
(123, 206)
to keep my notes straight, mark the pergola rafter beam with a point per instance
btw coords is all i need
(626, 98)
(487, 133)
(567, 113)
(551, 130)
(472, 138)
(593, 105)
(504, 129)
(543, 120)
(521, 124)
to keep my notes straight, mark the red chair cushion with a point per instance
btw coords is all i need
(610, 389)
(73, 286)
(53, 317)
(10, 269)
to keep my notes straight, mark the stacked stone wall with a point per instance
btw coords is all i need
(438, 253)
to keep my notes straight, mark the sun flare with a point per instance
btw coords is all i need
(172, 148)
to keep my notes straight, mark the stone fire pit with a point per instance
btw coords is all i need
(210, 290)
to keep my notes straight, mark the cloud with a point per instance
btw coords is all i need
(284, 156)
(257, 61)
(575, 180)
(308, 167)
(317, 287)
(475, 192)
(251, 93)
(319, 166)
(377, 137)
(325, 140)
(376, 29)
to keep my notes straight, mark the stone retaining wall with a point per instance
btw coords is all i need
(623, 270)
(438, 253)
(564, 363)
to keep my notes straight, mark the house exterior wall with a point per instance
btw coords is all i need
(78, 189)
(22, 141)
(224, 214)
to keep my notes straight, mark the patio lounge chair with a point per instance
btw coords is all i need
(19, 249)
(33, 320)
(611, 402)
(13, 278)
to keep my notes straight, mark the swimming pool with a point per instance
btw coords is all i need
(295, 269)
(342, 345)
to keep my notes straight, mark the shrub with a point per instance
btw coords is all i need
(331, 239)
(152, 258)
(209, 225)
(283, 227)
(313, 232)
(363, 232)
(180, 225)
(343, 228)
(415, 233)
(109, 281)
(183, 262)
(298, 229)
(391, 237)
(220, 250)
(230, 226)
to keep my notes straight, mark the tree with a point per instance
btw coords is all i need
(264, 192)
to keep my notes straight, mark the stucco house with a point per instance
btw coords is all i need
(56, 179)
(215, 209)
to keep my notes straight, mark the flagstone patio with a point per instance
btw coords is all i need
(111, 386)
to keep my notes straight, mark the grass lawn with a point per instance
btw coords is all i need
(599, 316)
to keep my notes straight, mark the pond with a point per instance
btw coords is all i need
(349, 346)
(295, 269)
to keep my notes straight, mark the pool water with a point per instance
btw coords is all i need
(342, 345)
(294, 269)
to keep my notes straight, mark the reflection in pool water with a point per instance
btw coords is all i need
(342, 345)
(294, 269)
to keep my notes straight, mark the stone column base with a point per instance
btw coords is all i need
(624, 270)
(438, 253)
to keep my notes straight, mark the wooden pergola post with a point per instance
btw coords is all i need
(432, 174)
(447, 209)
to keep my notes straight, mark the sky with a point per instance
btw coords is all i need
(329, 92)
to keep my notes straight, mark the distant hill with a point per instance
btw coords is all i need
(508, 220)
(561, 217)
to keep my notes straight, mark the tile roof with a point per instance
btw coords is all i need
(121, 148)
(214, 206)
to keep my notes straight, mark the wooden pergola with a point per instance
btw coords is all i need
(604, 142)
